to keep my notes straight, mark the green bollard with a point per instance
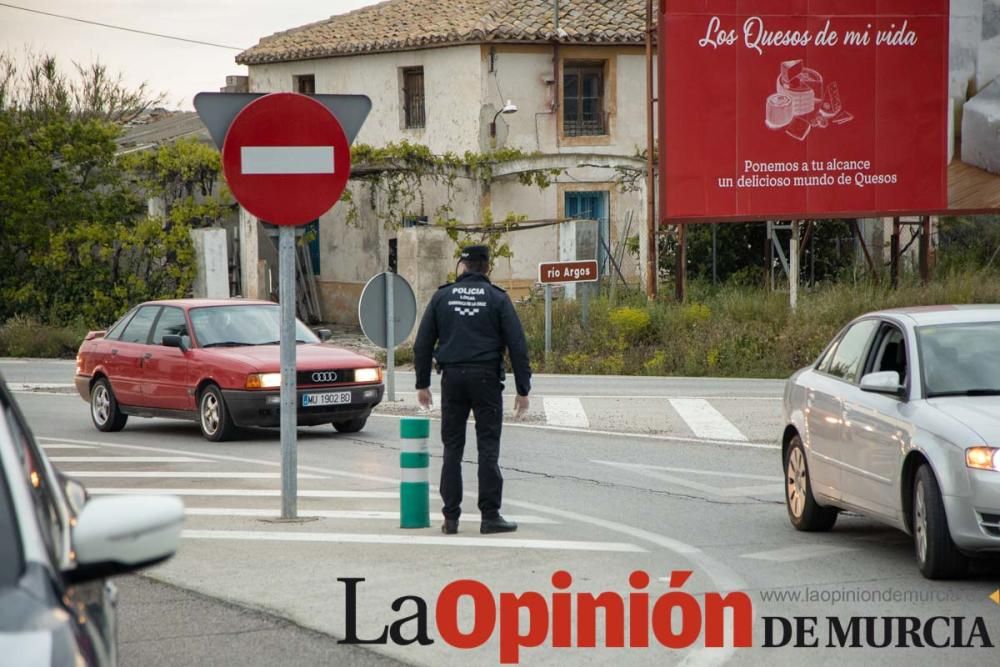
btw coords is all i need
(414, 463)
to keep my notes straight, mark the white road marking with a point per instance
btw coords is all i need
(723, 578)
(696, 471)
(184, 475)
(615, 434)
(286, 159)
(65, 446)
(126, 459)
(30, 386)
(337, 514)
(704, 420)
(412, 540)
(238, 493)
(565, 411)
(775, 488)
(649, 397)
(796, 553)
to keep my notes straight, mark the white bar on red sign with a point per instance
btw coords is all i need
(286, 159)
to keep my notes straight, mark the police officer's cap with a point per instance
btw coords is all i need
(476, 253)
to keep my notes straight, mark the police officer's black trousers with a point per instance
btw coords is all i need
(475, 388)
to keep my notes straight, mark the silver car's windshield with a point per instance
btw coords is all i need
(221, 326)
(960, 359)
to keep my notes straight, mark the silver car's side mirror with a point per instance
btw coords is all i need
(119, 534)
(885, 382)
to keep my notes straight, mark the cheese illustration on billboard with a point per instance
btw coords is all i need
(803, 102)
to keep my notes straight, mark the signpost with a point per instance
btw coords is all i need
(286, 159)
(550, 273)
(387, 312)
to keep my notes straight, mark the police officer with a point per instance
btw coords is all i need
(472, 321)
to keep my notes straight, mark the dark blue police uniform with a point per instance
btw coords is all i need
(466, 328)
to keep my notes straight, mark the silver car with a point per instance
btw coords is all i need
(58, 547)
(899, 420)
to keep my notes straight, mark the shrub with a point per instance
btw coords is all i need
(23, 336)
(632, 324)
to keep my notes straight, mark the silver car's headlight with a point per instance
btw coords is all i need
(983, 458)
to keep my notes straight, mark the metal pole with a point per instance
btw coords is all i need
(651, 240)
(680, 267)
(793, 267)
(894, 251)
(585, 304)
(715, 272)
(289, 399)
(548, 321)
(390, 337)
(925, 249)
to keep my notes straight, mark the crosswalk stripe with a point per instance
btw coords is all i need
(565, 411)
(704, 420)
(799, 552)
(333, 514)
(184, 475)
(126, 459)
(66, 446)
(237, 493)
(412, 540)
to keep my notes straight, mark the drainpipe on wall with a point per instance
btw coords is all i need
(555, 68)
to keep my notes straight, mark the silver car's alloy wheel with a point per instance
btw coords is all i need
(100, 404)
(796, 483)
(210, 413)
(920, 521)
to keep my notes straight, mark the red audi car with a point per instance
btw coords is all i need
(216, 362)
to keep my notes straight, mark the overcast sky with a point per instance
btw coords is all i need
(176, 68)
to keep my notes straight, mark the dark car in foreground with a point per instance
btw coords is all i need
(57, 549)
(217, 362)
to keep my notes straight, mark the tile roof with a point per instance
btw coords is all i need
(399, 25)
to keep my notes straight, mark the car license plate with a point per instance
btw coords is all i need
(326, 398)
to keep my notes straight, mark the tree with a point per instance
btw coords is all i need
(74, 239)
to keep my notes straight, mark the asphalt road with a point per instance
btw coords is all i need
(595, 501)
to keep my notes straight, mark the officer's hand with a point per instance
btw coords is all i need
(520, 406)
(424, 398)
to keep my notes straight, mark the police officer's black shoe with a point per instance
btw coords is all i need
(450, 526)
(497, 524)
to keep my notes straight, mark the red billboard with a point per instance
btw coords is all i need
(797, 109)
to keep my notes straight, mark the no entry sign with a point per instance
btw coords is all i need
(286, 159)
(568, 272)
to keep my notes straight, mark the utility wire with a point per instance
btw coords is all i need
(118, 27)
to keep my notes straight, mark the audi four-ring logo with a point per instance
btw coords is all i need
(324, 376)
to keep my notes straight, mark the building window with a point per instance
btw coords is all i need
(305, 84)
(583, 99)
(415, 221)
(413, 97)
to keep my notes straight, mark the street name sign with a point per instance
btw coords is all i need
(584, 271)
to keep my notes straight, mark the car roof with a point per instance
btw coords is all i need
(200, 303)
(946, 314)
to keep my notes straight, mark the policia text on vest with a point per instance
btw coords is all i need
(466, 328)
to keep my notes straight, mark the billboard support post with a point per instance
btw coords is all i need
(894, 250)
(925, 249)
(680, 266)
(651, 226)
(793, 269)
